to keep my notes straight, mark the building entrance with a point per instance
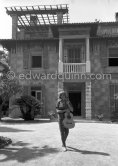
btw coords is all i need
(75, 99)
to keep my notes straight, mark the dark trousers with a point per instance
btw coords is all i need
(64, 132)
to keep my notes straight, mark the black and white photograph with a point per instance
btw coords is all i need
(58, 82)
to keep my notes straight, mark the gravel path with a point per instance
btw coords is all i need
(38, 144)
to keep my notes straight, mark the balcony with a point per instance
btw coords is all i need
(74, 67)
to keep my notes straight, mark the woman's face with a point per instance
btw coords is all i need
(63, 96)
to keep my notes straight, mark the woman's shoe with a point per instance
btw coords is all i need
(64, 149)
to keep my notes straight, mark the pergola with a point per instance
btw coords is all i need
(35, 16)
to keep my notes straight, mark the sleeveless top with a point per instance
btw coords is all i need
(61, 105)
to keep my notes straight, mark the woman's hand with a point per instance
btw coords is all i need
(67, 111)
(70, 106)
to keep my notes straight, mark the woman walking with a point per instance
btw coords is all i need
(63, 105)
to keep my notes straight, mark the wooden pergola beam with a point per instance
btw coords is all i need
(53, 15)
(21, 22)
(47, 15)
(26, 18)
(42, 11)
(44, 15)
(36, 16)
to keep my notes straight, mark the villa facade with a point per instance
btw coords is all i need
(49, 54)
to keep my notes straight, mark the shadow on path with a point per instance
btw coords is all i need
(21, 121)
(9, 129)
(22, 153)
(87, 152)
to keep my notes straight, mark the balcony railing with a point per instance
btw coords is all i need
(74, 67)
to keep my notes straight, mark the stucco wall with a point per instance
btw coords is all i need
(21, 63)
(100, 87)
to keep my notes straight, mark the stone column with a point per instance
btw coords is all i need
(14, 26)
(60, 85)
(88, 99)
(88, 69)
(60, 64)
(22, 34)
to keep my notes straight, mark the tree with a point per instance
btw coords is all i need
(4, 61)
(4, 82)
(9, 86)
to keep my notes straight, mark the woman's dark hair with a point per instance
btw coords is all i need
(61, 93)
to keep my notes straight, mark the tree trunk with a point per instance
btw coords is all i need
(22, 111)
(28, 114)
(1, 111)
(32, 113)
(1, 106)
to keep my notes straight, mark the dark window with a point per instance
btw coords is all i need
(114, 97)
(36, 61)
(74, 55)
(36, 92)
(113, 56)
(33, 93)
(38, 95)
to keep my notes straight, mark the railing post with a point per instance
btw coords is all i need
(74, 67)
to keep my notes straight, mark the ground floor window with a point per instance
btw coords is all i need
(37, 93)
(114, 97)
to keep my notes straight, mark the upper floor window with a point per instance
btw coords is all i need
(36, 61)
(113, 56)
(74, 55)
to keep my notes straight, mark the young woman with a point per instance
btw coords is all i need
(63, 105)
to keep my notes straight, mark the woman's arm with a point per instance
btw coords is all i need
(70, 106)
(60, 111)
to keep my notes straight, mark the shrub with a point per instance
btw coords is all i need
(29, 106)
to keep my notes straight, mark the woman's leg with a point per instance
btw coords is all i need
(62, 132)
(66, 133)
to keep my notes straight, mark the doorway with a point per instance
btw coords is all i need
(75, 99)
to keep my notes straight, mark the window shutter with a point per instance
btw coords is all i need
(43, 99)
(113, 97)
(26, 62)
(45, 57)
(83, 54)
(103, 54)
(65, 56)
